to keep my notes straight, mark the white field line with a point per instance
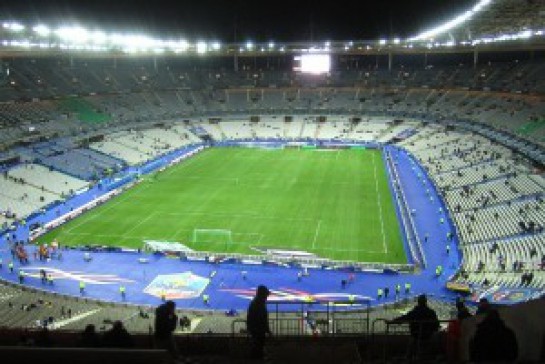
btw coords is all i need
(177, 232)
(122, 197)
(139, 223)
(180, 165)
(379, 206)
(111, 204)
(316, 233)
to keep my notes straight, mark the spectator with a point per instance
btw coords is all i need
(483, 307)
(454, 331)
(423, 323)
(185, 323)
(493, 341)
(117, 337)
(89, 338)
(165, 324)
(258, 321)
(461, 310)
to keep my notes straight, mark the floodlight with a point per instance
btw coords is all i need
(73, 34)
(249, 45)
(42, 30)
(525, 34)
(216, 46)
(13, 26)
(456, 21)
(138, 42)
(271, 44)
(98, 37)
(201, 47)
(177, 46)
(382, 42)
(182, 45)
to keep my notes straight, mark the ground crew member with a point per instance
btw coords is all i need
(50, 279)
(442, 220)
(206, 299)
(438, 270)
(122, 291)
(351, 298)
(398, 289)
(386, 292)
(379, 293)
(10, 266)
(448, 249)
(1, 262)
(81, 287)
(21, 276)
(407, 288)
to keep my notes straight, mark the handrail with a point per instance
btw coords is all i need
(307, 319)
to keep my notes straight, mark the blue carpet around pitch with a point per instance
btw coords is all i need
(228, 289)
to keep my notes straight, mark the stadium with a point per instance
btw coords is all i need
(349, 177)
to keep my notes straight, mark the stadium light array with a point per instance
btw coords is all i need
(76, 37)
(453, 23)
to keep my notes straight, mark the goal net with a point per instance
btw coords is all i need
(212, 236)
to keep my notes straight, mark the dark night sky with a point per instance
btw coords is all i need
(258, 20)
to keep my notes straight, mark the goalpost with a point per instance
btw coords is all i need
(212, 236)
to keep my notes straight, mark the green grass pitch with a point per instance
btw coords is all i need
(335, 204)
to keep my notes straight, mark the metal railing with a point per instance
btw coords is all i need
(331, 318)
(418, 338)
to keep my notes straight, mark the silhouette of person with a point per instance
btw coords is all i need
(423, 323)
(89, 338)
(493, 341)
(165, 324)
(117, 337)
(257, 321)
